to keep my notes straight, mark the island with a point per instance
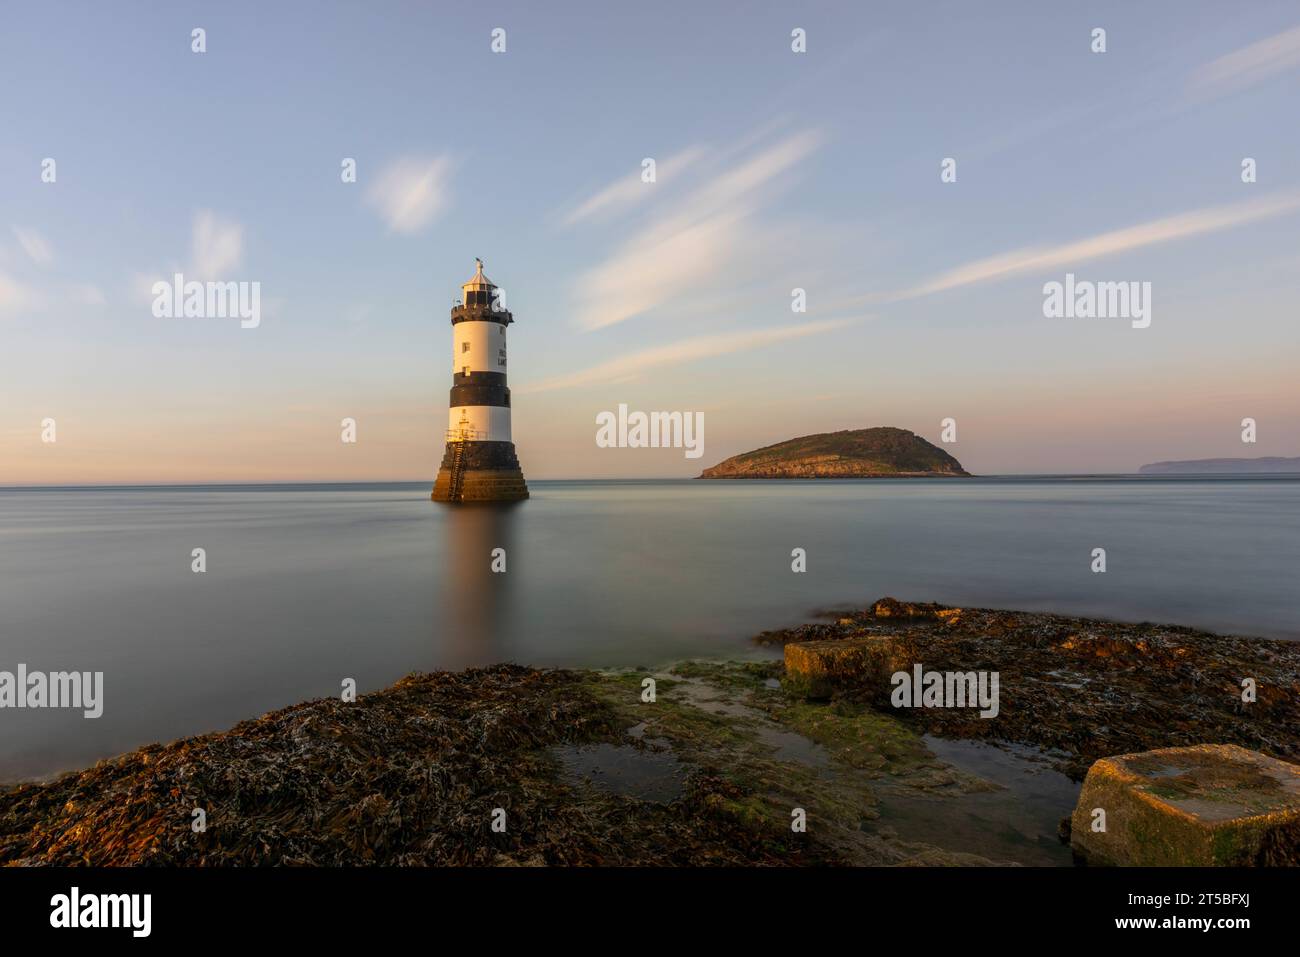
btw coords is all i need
(1269, 464)
(882, 452)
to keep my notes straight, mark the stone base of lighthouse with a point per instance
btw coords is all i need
(490, 473)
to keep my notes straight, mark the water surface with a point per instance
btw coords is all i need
(309, 585)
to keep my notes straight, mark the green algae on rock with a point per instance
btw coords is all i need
(417, 773)
(816, 668)
(1208, 805)
(1079, 689)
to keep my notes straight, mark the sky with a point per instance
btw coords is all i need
(775, 170)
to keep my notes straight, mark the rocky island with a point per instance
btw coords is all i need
(854, 453)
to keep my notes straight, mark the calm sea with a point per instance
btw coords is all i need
(308, 585)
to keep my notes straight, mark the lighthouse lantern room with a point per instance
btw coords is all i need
(479, 464)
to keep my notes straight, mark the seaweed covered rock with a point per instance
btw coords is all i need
(1080, 689)
(411, 775)
(1206, 805)
(816, 669)
(931, 611)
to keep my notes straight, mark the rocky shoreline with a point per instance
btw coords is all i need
(703, 763)
(1082, 689)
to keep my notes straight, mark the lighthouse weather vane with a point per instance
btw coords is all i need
(479, 463)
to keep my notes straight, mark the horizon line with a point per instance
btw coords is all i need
(288, 483)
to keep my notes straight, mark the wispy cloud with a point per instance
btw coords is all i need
(37, 248)
(87, 294)
(409, 193)
(216, 249)
(704, 241)
(217, 246)
(358, 313)
(1250, 65)
(686, 350)
(15, 296)
(1042, 258)
(630, 190)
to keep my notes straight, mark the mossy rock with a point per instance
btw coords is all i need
(816, 669)
(1204, 805)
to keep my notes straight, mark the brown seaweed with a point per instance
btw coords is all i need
(410, 775)
(1086, 688)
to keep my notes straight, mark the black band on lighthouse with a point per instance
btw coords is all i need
(479, 378)
(464, 395)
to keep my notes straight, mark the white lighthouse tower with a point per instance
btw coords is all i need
(479, 464)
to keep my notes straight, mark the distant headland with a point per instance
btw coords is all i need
(1270, 463)
(854, 453)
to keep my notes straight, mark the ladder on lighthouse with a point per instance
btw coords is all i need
(456, 490)
(459, 438)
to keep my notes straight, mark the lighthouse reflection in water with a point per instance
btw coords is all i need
(476, 613)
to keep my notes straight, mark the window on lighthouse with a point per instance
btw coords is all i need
(464, 347)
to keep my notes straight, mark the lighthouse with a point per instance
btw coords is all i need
(479, 464)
